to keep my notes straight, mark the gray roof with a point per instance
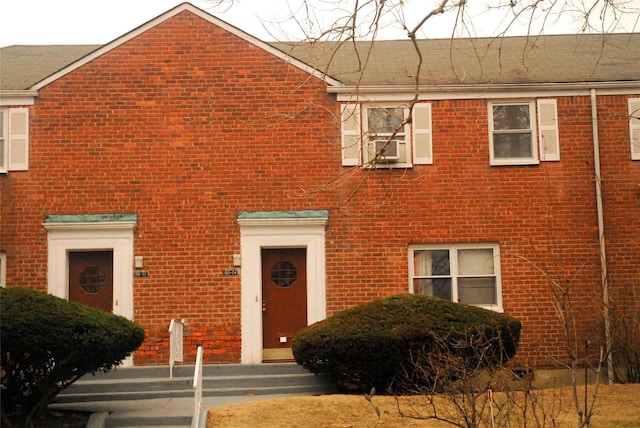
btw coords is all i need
(508, 60)
(21, 66)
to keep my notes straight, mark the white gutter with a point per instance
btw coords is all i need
(605, 87)
(483, 91)
(603, 253)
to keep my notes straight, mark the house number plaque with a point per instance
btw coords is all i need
(230, 272)
(141, 274)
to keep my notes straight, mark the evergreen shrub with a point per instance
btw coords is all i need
(48, 343)
(383, 343)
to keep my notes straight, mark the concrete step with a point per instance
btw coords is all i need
(147, 397)
(223, 380)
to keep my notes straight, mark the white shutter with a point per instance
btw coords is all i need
(422, 136)
(548, 130)
(18, 139)
(4, 148)
(634, 127)
(351, 141)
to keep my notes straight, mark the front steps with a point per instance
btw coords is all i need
(142, 387)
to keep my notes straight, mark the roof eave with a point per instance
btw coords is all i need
(486, 90)
(15, 97)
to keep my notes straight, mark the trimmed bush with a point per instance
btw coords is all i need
(384, 343)
(48, 343)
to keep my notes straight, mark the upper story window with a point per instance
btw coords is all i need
(386, 135)
(634, 127)
(385, 129)
(465, 273)
(523, 132)
(14, 139)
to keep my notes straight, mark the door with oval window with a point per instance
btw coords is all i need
(284, 300)
(91, 278)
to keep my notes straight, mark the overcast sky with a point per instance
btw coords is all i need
(100, 21)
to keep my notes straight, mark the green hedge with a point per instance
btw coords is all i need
(48, 343)
(384, 343)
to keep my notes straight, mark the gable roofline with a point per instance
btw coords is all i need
(170, 14)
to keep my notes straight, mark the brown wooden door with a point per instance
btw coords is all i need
(284, 299)
(91, 278)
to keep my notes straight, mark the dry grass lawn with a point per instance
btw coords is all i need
(616, 406)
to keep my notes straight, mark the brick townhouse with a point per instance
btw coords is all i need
(190, 171)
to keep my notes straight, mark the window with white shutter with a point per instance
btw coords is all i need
(382, 136)
(523, 132)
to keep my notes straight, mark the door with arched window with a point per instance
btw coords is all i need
(91, 278)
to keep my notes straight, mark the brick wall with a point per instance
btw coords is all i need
(186, 125)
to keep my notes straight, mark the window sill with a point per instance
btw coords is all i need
(515, 162)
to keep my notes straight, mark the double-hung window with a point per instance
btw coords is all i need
(513, 135)
(465, 273)
(386, 135)
(523, 132)
(385, 128)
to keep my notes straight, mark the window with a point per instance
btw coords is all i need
(634, 127)
(14, 139)
(512, 133)
(385, 129)
(381, 135)
(461, 273)
(514, 139)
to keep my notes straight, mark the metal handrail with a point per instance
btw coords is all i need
(197, 386)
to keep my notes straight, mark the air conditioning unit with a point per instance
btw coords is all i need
(386, 150)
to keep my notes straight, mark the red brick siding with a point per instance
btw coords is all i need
(186, 125)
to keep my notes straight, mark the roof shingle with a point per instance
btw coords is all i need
(508, 60)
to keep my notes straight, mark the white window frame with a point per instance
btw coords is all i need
(453, 265)
(634, 127)
(404, 144)
(356, 137)
(533, 160)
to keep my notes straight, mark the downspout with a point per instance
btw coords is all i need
(603, 253)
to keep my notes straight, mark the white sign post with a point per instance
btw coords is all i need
(176, 339)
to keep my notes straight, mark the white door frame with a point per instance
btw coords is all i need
(279, 229)
(65, 235)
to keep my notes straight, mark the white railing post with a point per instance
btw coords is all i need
(197, 385)
(176, 340)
